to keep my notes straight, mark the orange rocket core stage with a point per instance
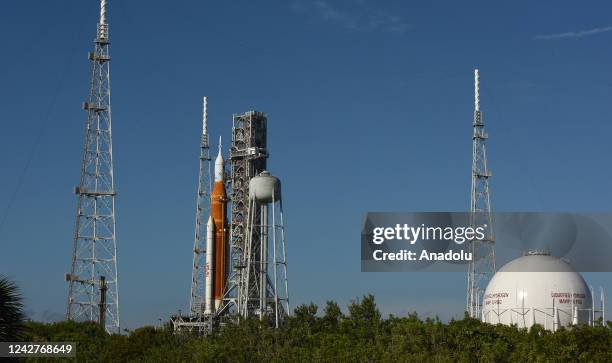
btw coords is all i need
(219, 214)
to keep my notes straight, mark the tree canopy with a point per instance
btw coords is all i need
(360, 335)
(11, 311)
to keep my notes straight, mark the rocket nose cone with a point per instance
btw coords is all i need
(219, 168)
(219, 165)
(210, 223)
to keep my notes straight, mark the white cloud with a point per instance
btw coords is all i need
(574, 34)
(359, 16)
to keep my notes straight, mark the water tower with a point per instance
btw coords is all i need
(264, 288)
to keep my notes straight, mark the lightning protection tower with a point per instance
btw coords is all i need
(482, 266)
(94, 249)
(198, 275)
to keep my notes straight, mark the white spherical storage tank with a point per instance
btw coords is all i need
(537, 289)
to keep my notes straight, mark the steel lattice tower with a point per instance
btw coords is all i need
(94, 251)
(202, 212)
(248, 157)
(482, 266)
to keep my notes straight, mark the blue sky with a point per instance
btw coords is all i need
(369, 105)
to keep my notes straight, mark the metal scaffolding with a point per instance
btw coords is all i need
(248, 157)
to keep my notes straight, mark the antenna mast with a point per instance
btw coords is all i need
(482, 266)
(94, 250)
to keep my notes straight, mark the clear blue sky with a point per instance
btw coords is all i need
(369, 105)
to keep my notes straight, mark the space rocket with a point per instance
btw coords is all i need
(216, 240)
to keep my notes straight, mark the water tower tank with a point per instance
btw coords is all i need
(264, 187)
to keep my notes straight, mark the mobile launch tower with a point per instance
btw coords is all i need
(244, 272)
(482, 265)
(259, 293)
(93, 281)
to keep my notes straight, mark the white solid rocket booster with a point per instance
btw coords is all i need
(210, 273)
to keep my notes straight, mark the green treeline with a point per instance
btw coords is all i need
(362, 335)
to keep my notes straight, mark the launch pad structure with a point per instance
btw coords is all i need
(248, 158)
(247, 253)
(255, 283)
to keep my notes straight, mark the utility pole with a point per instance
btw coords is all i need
(102, 306)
